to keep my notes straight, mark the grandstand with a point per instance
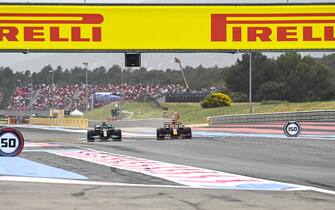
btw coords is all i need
(73, 96)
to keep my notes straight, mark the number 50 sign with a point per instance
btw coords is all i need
(11, 142)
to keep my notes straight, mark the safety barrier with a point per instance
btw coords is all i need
(8, 120)
(12, 120)
(320, 116)
(69, 122)
(4, 121)
(152, 123)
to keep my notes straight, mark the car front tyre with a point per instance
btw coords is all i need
(187, 133)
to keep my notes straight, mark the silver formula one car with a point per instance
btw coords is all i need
(104, 132)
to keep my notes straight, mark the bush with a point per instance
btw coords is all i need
(239, 97)
(216, 100)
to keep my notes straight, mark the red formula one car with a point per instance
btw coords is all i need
(174, 130)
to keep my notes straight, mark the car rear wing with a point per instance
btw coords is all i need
(167, 124)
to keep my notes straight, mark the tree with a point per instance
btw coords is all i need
(309, 81)
(114, 75)
(286, 63)
(58, 75)
(263, 70)
(271, 90)
(8, 83)
(301, 79)
(98, 76)
(44, 76)
(78, 75)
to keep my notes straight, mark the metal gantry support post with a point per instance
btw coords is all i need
(31, 96)
(86, 88)
(250, 82)
(122, 81)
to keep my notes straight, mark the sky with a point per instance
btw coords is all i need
(35, 61)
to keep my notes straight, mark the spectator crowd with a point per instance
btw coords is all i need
(74, 96)
(20, 99)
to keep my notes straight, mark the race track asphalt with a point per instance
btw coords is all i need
(308, 162)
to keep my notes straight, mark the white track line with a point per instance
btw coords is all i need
(97, 183)
(330, 192)
(79, 182)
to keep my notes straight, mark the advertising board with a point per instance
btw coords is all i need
(167, 27)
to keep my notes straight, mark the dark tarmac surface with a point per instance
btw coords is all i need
(52, 196)
(297, 161)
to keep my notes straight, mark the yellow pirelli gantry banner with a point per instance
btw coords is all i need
(167, 27)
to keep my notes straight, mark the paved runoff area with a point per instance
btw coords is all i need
(227, 167)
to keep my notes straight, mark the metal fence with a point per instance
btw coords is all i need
(185, 97)
(320, 116)
(18, 113)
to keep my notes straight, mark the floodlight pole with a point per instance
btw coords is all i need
(177, 60)
(52, 93)
(250, 82)
(20, 84)
(31, 96)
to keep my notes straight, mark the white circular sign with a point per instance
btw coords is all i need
(11, 142)
(292, 129)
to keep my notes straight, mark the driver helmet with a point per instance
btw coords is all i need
(175, 116)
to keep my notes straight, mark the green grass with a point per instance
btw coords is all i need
(192, 113)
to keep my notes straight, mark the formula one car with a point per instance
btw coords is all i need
(104, 132)
(174, 130)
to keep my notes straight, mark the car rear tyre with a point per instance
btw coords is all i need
(118, 135)
(160, 134)
(187, 133)
(90, 136)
